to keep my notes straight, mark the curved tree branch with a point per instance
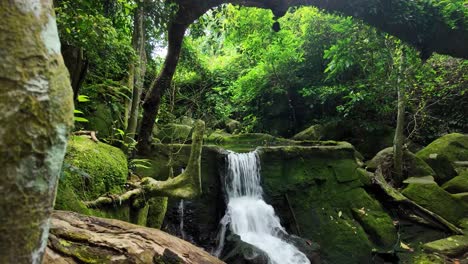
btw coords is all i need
(186, 185)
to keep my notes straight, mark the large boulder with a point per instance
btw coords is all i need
(174, 133)
(413, 166)
(318, 193)
(442, 154)
(90, 170)
(368, 139)
(459, 184)
(431, 196)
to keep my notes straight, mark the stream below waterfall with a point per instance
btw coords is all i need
(249, 216)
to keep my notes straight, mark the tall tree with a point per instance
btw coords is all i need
(36, 113)
(137, 69)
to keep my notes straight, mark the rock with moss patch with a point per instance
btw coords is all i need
(458, 184)
(453, 246)
(174, 133)
(442, 153)
(432, 197)
(413, 165)
(315, 189)
(233, 126)
(91, 170)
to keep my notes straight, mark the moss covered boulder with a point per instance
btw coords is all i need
(459, 184)
(174, 133)
(318, 193)
(246, 142)
(91, 169)
(412, 164)
(443, 153)
(454, 246)
(432, 197)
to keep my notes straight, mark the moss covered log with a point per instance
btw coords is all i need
(36, 113)
(83, 239)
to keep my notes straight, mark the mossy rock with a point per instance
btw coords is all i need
(91, 170)
(432, 197)
(413, 165)
(100, 119)
(315, 190)
(233, 126)
(174, 133)
(459, 184)
(314, 132)
(453, 246)
(246, 142)
(443, 152)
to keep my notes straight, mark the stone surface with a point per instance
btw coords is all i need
(442, 153)
(317, 191)
(451, 246)
(459, 184)
(174, 133)
(432, 197)
(80, 239)
(413, 165)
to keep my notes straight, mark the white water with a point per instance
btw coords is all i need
(249, 216)
(181, 215)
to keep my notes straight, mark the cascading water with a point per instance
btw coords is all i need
(249, 216)
(181, 215)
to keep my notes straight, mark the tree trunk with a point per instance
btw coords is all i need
(85, 239)
(77, 66)
(36, 112)
(399, 138)
(139, 70)
(163, 82)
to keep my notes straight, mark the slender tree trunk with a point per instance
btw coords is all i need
(162, 83)
(399, 138)
(36, 112)
(77, 65)
(139, 70)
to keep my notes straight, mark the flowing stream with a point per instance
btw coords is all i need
(249, 216)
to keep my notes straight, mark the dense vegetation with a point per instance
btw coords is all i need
(318, 68)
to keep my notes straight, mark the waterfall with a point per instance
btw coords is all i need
(249, 216)
(181, 215)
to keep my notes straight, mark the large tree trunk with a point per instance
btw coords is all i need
(84, 239)
(36, 112)
(139, 70)
(77, 65)
(163, 82)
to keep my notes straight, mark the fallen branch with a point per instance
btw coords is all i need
(185, 186)
(91, 134)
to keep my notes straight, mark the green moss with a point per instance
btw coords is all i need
(413, 165)
(458, 184)
(174, 133)
(90, 171)
(247, 142)
(442, 152)
(156, 212)
(452, 246)
(94, 169)
(323, 187)
(100, 119)
(436, 199)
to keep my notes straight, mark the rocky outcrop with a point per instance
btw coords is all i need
(318, 193)
(76, 238)
(443, 153)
